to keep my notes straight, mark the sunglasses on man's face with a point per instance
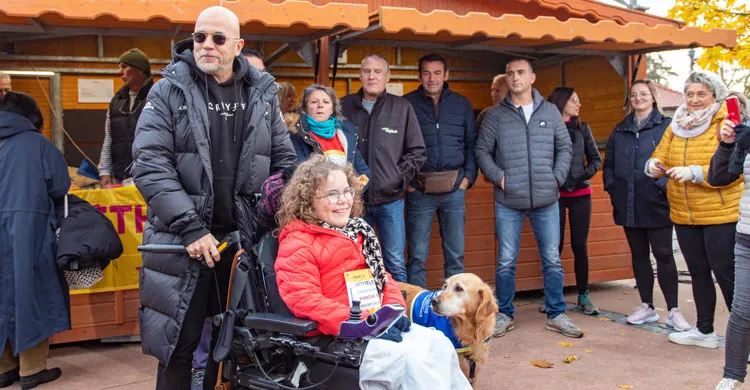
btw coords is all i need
(219, 39)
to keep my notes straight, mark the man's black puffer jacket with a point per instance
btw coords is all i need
(172, 170)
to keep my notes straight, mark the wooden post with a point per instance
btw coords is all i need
(323, 62)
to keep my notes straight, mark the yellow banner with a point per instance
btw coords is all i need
(126, 209)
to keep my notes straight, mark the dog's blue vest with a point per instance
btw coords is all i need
(422, 314)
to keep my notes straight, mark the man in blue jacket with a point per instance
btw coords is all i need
(524, 149)
(447, 123)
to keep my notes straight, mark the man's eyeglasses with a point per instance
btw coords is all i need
(219, 39)
(334, 196)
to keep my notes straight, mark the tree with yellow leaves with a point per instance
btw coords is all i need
(709, 14)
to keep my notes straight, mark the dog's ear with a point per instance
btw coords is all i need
(487, 306)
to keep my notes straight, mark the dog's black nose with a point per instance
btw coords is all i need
(435, 301)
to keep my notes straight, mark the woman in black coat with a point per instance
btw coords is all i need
(640, 202)
(575, 193)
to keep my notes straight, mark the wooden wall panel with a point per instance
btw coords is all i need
(37, 88)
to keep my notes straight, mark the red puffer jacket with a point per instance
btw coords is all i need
(310, 270)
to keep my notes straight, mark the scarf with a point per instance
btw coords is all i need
(325, 129)
(371, 248)
(688, 124)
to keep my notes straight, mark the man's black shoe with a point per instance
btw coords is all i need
(7, 378)
(44, 376)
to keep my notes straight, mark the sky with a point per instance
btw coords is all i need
(679, 59)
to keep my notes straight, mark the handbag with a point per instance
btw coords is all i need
(75, 277)
(437, 182)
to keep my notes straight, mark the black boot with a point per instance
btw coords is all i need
(41, 377)
(7, 378)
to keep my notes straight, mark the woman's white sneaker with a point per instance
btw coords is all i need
(676, 320)
(695, 337)
(729, 384)
(642, 315)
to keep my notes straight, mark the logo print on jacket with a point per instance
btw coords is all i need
(226, 110)
(390, 131)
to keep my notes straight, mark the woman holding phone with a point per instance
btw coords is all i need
(640, 204)
(705, 215)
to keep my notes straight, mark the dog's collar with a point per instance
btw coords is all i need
(468, 349)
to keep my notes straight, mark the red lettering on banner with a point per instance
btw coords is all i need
(120, 210)
(140, 218)
(102, 209)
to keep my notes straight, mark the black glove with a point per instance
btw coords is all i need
(402, 325)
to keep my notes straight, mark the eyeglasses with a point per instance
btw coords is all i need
(643, 95)
(575, 100)
(219, 39)
(334, 196)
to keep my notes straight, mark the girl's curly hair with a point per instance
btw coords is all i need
(299, 195)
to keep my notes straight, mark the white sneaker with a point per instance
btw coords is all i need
(729, 384)
(642, 315)
(676, 320)
(695, 337)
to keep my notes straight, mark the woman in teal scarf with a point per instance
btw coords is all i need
(320, 128)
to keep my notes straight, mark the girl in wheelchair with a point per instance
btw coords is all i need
(329, 256)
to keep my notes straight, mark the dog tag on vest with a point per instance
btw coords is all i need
(360, 286)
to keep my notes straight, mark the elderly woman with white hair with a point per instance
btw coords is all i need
(705, 215)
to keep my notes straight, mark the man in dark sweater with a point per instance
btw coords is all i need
(209, 135)
(447, 122)
(392, 145)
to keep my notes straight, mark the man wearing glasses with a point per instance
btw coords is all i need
(209, 135)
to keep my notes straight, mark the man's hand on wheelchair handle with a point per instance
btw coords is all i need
(205, 247)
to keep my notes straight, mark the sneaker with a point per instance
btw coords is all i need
(729, 384)
(7, 378)
(695, 337)
(563, 324)
(41, 377)
(642, 315)
(676, 320)
(584, 303)
(197, 381)
(503, 324)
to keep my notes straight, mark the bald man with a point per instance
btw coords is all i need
(210, 108)
(498, 91)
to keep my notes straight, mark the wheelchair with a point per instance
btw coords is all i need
(263, 345)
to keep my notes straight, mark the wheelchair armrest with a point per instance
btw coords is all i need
(279, 323)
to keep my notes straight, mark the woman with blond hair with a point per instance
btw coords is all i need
(323, 241)
(705, 215)
(639, 202)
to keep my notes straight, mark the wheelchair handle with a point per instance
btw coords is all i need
(175, 249)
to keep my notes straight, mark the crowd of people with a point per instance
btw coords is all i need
(350, 184)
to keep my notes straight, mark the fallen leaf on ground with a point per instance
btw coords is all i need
(585, 330)
(659, 309)
(570, 359)
(604, 319)
(542, 364)
(625, 386)
(565, 344)
(506, 356)
(587, 350)
(625, 292)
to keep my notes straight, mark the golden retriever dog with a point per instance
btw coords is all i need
(468, 304)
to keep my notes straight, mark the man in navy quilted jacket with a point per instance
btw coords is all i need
(447, 123)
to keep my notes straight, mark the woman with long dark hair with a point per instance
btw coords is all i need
(575, 193)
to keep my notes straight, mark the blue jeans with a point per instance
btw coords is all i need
(200, 356)
(388, 221)
(420, 211)
(545, 221)
(738, 328)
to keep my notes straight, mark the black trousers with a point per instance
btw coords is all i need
(177, 374)
(660, 242)
(709, 248)
(579, 209)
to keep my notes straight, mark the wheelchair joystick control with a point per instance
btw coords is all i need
(355, 313)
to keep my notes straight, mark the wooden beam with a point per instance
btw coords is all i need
(559, 45)
(323, 62)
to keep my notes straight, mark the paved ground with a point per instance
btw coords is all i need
(611, 355)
